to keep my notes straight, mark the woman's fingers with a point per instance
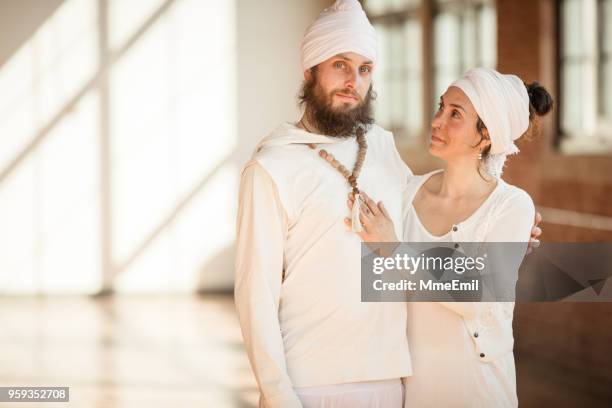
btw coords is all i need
(383, 210)
(349, 225)
(371, 205)
(364, 210)
(351, 200)
(538, 218)
(535, 230)
(364, 215)
(533, 244)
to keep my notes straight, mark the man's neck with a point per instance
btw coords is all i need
(307, 125)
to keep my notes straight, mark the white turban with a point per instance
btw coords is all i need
(340, 28)
(502, 103)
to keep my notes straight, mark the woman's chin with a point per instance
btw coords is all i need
(435, 150)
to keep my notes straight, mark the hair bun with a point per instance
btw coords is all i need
(539, 98)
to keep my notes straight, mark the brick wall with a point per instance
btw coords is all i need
(576, 338)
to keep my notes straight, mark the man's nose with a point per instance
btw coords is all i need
(351, 79)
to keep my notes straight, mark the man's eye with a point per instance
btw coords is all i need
(339, 64)
(366, 68)
(440, 106)
(456, 114)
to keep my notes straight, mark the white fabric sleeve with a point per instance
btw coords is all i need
(406, 172)
(407, 176)
(515, 220)
(261, 231)
(512, 223)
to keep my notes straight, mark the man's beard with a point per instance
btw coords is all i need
(335, 122)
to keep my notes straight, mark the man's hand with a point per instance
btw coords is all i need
(536, 231)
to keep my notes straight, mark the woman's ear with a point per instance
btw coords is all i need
(486, 140)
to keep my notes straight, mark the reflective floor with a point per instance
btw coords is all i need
(138, 351)
(166, 351)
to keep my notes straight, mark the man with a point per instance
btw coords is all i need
(309, 338)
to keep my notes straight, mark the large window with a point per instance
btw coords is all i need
(464, 34)
(585, 75)
(118, 149)
(425, 45)
(399, 75)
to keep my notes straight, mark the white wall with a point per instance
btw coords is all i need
(269, 76)
(125, 167)
(269, 73)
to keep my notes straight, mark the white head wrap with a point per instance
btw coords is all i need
(502, 103)
(340, 28)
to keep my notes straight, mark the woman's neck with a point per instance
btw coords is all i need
(461, 180)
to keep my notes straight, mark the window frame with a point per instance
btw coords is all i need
(582, 141)
(425, 11)
(398, 18)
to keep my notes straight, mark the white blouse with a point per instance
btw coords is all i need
(462, 352)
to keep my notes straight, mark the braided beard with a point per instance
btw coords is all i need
(335, 122)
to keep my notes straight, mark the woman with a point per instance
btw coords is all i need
(462, 352)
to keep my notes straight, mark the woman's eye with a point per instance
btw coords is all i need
(339, 64)
(456, 114)
(440, 106)
(366, 68)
